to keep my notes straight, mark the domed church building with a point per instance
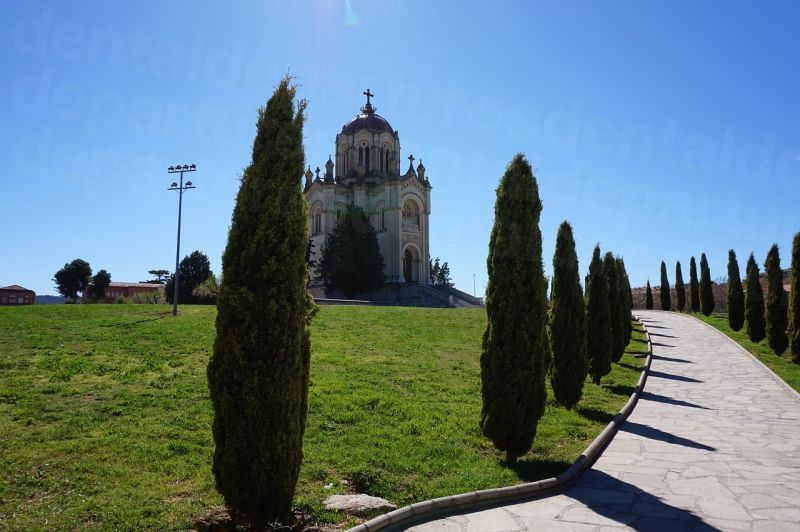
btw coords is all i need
(366, 172)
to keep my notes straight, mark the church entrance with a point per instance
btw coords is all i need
(408, 262)
(411, 264)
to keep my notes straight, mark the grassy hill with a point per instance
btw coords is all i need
(105, 417)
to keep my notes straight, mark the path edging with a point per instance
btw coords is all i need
(548, 486)
(771, 373)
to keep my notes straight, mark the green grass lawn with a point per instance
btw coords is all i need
(782, 365)
(105, 417)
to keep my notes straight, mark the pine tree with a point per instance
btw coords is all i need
(754, 303)
(515, 356)
(663, 295)
(627, 302)
(258, 374)
(351, 260)
(614, 307)
(680, 288)
(648, 297)
(735, 294)
(776, 306)
(567, 322)
(794, 302)
(706, 291)
(694, 288)
(598, 320)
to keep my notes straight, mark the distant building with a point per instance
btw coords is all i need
(16, 295)
(116, 290)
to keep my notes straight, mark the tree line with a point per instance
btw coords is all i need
(775, 316)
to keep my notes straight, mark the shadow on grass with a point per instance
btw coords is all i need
(595, 414)
(533, 469)
(619, 389)
(130, 324)
(671, 376)
(646, 431)
(629, 366)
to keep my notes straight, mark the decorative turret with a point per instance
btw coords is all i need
(421, 171)
(317, 179)
(329, 170)
(309, 177)
(411, 166)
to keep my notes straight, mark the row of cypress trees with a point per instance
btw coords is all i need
(775, 317)
(582, 333)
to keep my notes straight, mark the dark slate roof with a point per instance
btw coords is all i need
(371, 121)
(15, 287)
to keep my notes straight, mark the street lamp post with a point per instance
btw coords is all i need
(180, 188)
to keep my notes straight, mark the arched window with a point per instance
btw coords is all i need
(366, 158)
(381, 161)
(411, 216)
(383, 219)
(360, 156)
(386, 165)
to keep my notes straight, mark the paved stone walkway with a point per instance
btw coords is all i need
(714, 443)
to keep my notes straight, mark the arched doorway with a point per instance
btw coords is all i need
(411, 264)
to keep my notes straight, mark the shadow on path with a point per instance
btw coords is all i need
(662, 375)
(646, 431)
(670, 359)
(647, 396)
(661, 345)
(629, 505)
(662, 335)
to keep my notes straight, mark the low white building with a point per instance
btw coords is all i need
(367, 174)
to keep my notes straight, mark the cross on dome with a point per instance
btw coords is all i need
(369, 109)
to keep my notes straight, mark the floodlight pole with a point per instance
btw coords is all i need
(180, 189)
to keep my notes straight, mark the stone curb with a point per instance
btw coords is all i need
(403, 517)
(766, 368)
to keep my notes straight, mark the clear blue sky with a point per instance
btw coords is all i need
(659, 129)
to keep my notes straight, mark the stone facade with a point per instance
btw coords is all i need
(367, 174)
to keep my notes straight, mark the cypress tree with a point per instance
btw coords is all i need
(627, 303)
(598, 320)
(615, 307)
(694, 289)
(648, 297)
(259, 372)
(515, 354)
(794, 302)
(776, 303)
(567, 322)
(680, 288)
(706, 291)
(735, 293)
(663, 296)
(754, 303)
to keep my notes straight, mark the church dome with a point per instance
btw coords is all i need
(371, 121)
(367, 119)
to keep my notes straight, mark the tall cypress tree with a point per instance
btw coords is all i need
(614, 304)
(648, 297)
(794, 302)
(694, 287)
(663, 295)
(567, 322)
(754, 303)
(598, 319)
(259, 371)
(515, 354)
(706, 291)
(680, 288)
(627, 303)
(735, 293)
(776, 303)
